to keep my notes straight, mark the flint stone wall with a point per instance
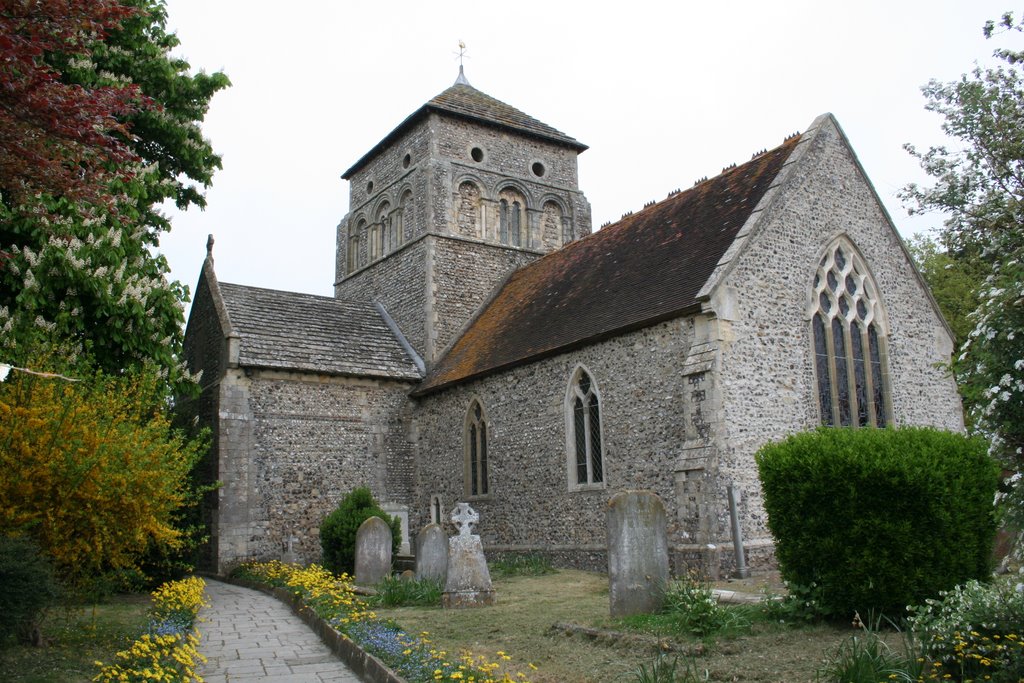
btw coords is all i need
(531, 506)
(768, 389)
(295, 445)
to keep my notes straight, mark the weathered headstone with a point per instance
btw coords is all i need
(637, 553)
(373, 551)
(468, 583)
(402, 513)
(432, 553)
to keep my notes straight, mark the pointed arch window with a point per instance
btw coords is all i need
(584, 426)
(849, 342)
(476, 451)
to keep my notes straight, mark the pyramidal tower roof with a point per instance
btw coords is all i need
(462, 100)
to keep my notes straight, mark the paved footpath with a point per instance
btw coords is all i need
(248, 636)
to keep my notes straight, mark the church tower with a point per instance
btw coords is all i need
(463, 192)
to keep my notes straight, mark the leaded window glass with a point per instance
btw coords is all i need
(848, 344)
(586, 427)
(476, 451)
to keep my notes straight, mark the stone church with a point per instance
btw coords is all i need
(485, 345)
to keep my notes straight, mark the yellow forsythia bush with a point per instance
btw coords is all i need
(92, 470)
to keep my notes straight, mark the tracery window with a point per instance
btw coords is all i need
(476, 450)
(849, 342)
(585, 430)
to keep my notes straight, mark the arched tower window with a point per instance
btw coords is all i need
(468, 221)
(584, 424)
(552, 227)
(476, 450)
(404, 217)
(355, 252)
(511, 218)
(379, 232)
(849, 342)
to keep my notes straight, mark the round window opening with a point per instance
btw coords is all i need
(538, 169)
(477, 154)
(406, 161)
(369, 187)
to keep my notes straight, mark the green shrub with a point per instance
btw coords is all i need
(27, 588)
(974, 631)
(879, 519)
(338, 530)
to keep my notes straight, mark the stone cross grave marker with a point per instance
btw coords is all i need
(373, 551)
(637, 553)
(465, 518)
(468, 583)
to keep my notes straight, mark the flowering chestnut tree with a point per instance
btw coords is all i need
(980, 185)
(98, 127)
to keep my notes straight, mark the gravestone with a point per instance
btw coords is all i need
(432, 553)
(468, 583)
(373, 551)
(637, 553)
(402, 513)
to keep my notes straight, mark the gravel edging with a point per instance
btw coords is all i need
(363, 664)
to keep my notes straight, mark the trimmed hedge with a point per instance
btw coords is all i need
(878, 519)
(338, 530)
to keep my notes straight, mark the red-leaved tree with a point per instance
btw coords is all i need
(58, 138)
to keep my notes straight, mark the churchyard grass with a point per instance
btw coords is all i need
(77, 636)
(528, 606)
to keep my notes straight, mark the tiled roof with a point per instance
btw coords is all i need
(467, 102)
(293, 331)
(648, 267)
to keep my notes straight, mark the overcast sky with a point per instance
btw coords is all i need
(663, 93)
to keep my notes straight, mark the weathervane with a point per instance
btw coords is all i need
(461, 55)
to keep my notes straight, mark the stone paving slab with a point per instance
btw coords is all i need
(249, 637)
